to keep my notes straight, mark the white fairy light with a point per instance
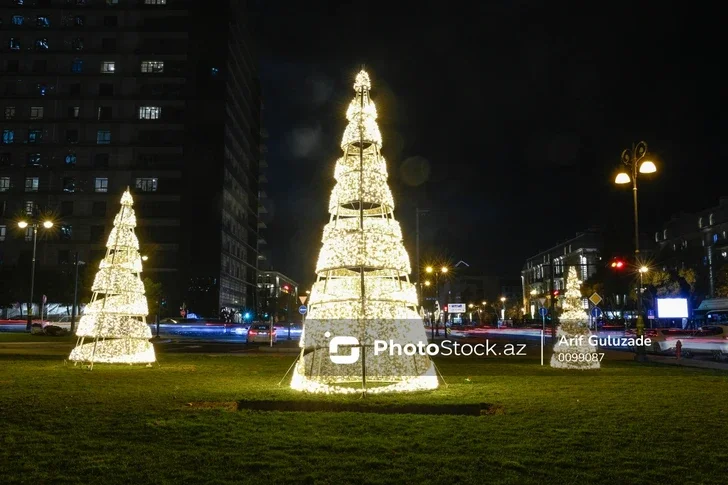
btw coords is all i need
(362, 236)
(114, 322)
(572, 349)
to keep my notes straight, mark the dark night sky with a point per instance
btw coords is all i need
(517, 113)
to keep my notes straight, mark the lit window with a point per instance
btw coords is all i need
(9, 112)
(77, 65)
(103, 137)
(108, 67)
(69, 184)
(31, 184)
(4, 184)
(42, 21)
(66, 231)
(700, 222)
(146, 184)
(152, 66)
(71, 158)
(8, 136)
(14, 44)
(711, 220)
(42, 89)
(149, 112)
(73, 111)
(41, 44)
(36, 113)
(101, 184)
(715, 238)
(29, 207)
(18, 19)
(35, 136)
(3, 232)
(155, 2)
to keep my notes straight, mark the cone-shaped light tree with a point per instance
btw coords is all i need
(362, 292)
(113, 327)
(572, 349)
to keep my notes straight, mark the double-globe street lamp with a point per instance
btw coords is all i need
(636, 162)
(47, 224)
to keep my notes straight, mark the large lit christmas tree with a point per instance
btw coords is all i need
(362, 292)
(572, 349)
(113, 327)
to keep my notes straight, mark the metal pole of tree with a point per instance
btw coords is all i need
(75, 295)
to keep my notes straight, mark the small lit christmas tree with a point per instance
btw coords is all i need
(362, 293)
(572, 349)
(113, 328)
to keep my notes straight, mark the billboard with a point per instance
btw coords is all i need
(672, 308)
(456, 307)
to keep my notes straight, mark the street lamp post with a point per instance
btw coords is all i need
(417, 250)
(635, 161)
(503, 315)
(431, 270)
(76, 262)
(642, 270)
(24, 224)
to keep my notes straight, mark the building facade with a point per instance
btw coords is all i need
(696, 240)
(161, 96)
(546, 271)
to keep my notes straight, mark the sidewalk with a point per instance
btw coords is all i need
(704, 364)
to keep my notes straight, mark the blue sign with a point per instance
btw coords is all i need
(302, 309)
(650, 314)
(596, 312)
(543, 311)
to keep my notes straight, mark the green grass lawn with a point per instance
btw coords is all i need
(627, 423)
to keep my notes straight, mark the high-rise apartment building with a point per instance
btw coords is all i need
(158, 95)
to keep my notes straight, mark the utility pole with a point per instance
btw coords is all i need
(418, 211)
(553, 302)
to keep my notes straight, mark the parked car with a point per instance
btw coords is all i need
(260, 333)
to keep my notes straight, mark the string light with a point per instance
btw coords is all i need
(115, 322)
(576, 353)
(362, 236)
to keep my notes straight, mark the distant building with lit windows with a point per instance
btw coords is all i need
(696, 240)
(161, 96)
(278, 297)
(547, 270)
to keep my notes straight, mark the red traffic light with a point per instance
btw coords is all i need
(617, 264)
(556, 292)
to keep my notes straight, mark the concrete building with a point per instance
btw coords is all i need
(158, 95)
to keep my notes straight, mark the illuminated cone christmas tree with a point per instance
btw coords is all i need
(362, 292)
(113, 328)
(572, 349)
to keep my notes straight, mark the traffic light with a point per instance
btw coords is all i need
(555, 296)
(618, 264)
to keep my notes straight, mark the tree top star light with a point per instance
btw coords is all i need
(362, 291)
(113, 327)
